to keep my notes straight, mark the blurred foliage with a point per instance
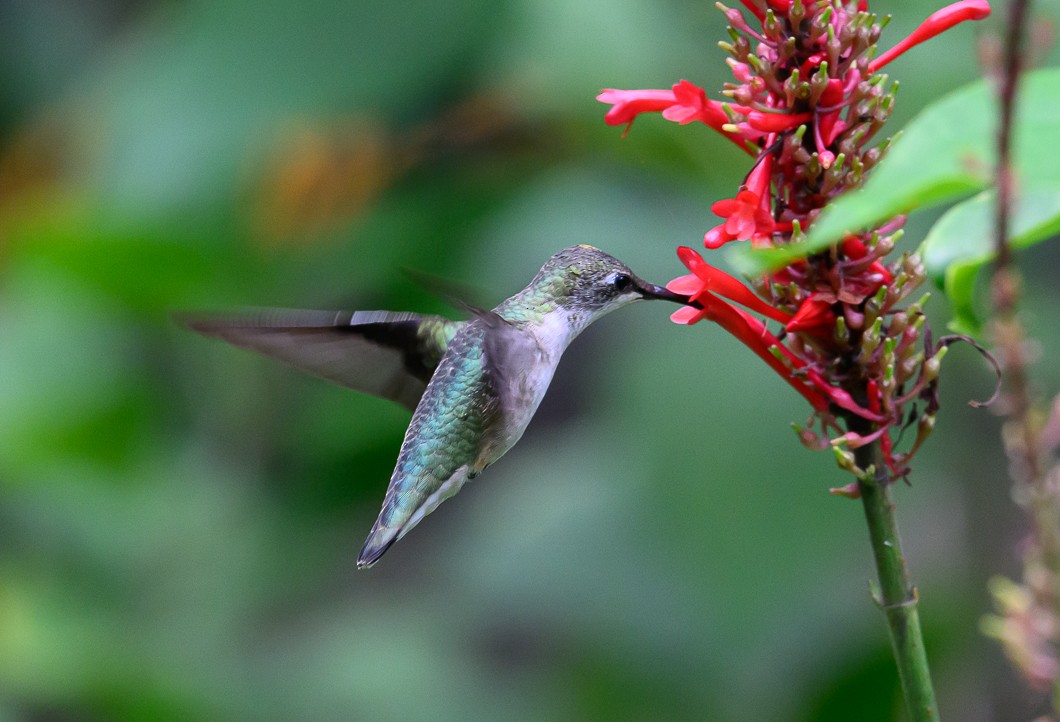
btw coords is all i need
(179, 520)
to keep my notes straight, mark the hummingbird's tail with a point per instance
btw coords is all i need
(404, 507)
(381, 539)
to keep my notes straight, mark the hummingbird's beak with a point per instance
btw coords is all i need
(651, 291)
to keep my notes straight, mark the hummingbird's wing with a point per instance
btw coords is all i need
(387, 354)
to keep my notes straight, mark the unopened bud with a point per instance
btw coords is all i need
(934, 364)
(872, 311)
(771, 26)
(743, 95)
(899, 322)
(887, 243)
(819, 82)
(833, 47)
(850, 491)
(870, 341)
(821, 23)
(842, 333)
(887, 362)
(926, 424)
(813, 167)
(786, 50)
(780, 356)
(857, 169)
(845, 460)
(910, 365)
(809, 438)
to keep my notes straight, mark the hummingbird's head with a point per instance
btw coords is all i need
(586, 280)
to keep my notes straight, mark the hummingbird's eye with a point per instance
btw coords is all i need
(622, 282)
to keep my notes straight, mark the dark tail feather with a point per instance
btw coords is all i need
(378, 542)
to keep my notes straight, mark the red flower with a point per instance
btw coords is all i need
(748, 216)
(706, 278)
(810, 57)
(628, 104)
(776, 122)
(744, 216)
(683, 103)
(815, 317)
(691, 103)
(938, 22)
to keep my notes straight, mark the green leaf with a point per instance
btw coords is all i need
(962, 242)
(945, 154)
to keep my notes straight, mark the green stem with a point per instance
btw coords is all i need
(898, 596)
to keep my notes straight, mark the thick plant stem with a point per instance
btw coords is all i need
(897, 595)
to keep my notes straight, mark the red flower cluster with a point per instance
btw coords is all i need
(805, 103)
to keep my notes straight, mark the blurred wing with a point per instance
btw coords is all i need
(392, 355)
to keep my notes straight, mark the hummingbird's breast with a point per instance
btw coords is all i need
(525, 364)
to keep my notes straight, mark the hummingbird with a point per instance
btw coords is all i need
(472, 385)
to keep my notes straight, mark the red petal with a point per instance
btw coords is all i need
(813, 316)
(775, 122)
(718, 281)
(628, 104)
(833, 93)
(687, 315)
(689, 285)
(716, 237)
(853, 248)
(759, 178)
(725, 207)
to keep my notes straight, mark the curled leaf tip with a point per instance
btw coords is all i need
(946, 341)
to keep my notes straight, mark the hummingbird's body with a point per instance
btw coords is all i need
(485, 377)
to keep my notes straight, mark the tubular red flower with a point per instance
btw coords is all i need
(747, 216)
(744, 216)
(683, 103)
(718, 281)
(628, 104)
(815, 317)
(776, 122)
(938, 22)
(717, 237)
(691, 103)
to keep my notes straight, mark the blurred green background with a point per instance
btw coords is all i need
(179, 519)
